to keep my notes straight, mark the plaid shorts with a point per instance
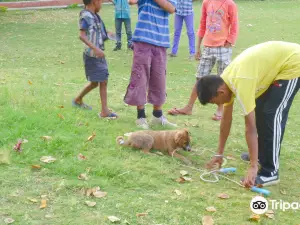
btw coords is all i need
(210, 56)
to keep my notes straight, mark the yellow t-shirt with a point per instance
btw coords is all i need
(252, 72)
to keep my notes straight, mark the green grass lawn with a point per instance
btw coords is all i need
(41, 69)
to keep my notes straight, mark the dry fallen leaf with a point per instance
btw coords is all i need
(99, 194)
(29, 82)
(37, 167)
(94, 189)
(81, 157)
(183, 172)
(17, 146)
(187, 178)
(223, 196)
(25, 141)
(44, 196)
(211, 209)
(254, 217)
(113, 219)
(83, 176)
(283, 192)
(141, 214)
(61, 116)
(46, 138)
(57, 84)
(91, 138)
(270, 214)
(229, 157)
(33, 200)
(61, 106)
(180, 180)
(177, 192)
(89, 191)
(207, 220)
(9, 220)
(90, 204)
(47, 159)
(43, 204)
(62, 62)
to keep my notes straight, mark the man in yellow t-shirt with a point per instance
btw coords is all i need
(264, 80)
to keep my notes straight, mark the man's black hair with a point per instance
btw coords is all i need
(207, 88)
(87, 2)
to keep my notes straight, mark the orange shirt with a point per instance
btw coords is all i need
(219, 22)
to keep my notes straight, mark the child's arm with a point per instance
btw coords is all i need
(98, 52)
(234, 24)
(202, 27)
(201, 31)
(166, 5)
(132, 2)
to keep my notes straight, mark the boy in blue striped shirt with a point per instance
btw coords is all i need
(148, 76)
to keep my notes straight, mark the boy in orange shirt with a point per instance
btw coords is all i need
(218, 30)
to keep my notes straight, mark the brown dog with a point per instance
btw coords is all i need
(164, 141)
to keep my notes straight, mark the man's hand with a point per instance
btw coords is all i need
(99, 53)
(198, 55)
(227, 45)
(215, 163)
(249, 180)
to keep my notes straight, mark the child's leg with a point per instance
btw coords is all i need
(103, 96)
(189, 22)
(127, 23)
(118, 25)
(177, 33)
(90, 86)
(157, 81)
(140, 73)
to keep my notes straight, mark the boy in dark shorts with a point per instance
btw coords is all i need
(93, 35)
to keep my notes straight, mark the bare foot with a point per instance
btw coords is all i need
(108, 114)
(78, 101)
(186, 110)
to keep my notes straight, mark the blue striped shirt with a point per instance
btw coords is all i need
(184, 7)
(153, 24)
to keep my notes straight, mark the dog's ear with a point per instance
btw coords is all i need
(187, 131)
(179, 137)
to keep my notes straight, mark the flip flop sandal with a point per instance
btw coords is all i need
(216, 117)
(111, 116)
(81, 106)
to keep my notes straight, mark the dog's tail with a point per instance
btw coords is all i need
(120, 140)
